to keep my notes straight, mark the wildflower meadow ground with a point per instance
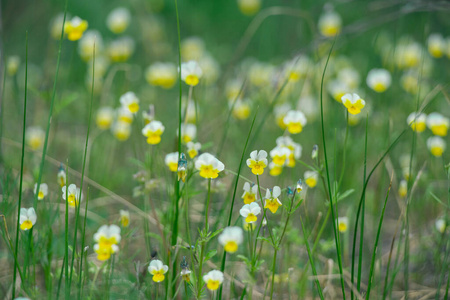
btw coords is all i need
(224, 149)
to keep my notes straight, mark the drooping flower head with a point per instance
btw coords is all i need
(353, 103)
(231, 238)
(250, 212)
(61, 176)
(257, 161)
(417, 121)
(157, 269)
(43, 190)
(295, 120)
(130, 101)
(191, 73)
(271, 200)
(153, 131)
(209, 166)
(379, 80)
(27, 218)
(73, 196)
(250, 193)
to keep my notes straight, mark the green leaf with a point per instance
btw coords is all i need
(210, 254)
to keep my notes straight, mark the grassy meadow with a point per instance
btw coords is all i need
(224, 149)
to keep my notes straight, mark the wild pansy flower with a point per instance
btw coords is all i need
(153, 131)
(43, 190)
(250, 193)
(379, 80)
(130, 101)
(438, 124)
(271, 200)
(210, 68)
(410, 81)
(342, 223)
(118, 20)
(337, 89)
(121, 130)
(209, 166)
(27, 218)
(250, 212)
(353, 103)
(295, 120)
(75, 28)
(186, 274)
(280, 112)
(193, 148)
(191, 73)
(61, 176)
(257, 161)
(297, 68)
(182, 167)
(157, 269)
(106, 238)
(73, 196)
(171, 161)
(121, 49)
(90, 39)
(295, 150)
(248, 226)
(436, 145)
(161, 74)
(231, 238)
(213, 279)
(124, 115)
(12, 65)
(279, 155)
(408, 55)
(403, 188)
(188, 132)
(440, 225)
(260, 74)
(124, 218)
(274, 169)
(299, 186)
(34, 137)
(241, 109)
(249, 7)
(104, 117)
(330, 23)
(192, 48)
(104, 253)
(311, 178)
(436, 45)
(417, 121)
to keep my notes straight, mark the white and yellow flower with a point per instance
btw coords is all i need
(311, 178)
(213, 279)
(350, 77)
(250, 212)
(191, 73)
(27, 218)
(56, 25)
(104, 117)
(410, 81)
(440, 225)
(353, 103)
(417, 121)
(161, 74)
(250, 193)
(257, 161)
(436, 45)
(118, 20)
(104, 253)
(438, 124)
(249, 7)
(188, 132)
(121, 49)
(297, 68)
(121, 130)
(403, 188)
(124, 218)
(157, 269)
(12, 65)
(73, 196)
(337, 89)
(261, 74)
(34, 137)
(436, 145)
(193, 148)
(153, 131)
(124, 115)
(107, 239)
(171, 161)
(379, 80)
(90, 39)
(231, 238)
(342, 224)
(43, 190)
(61, 176)
(295, 120)
(75, 28)
(209, 166)
(408, 55)
(330, 23)
(130, 101)
(280, 112)
(271, 200)
(279, 155)
(274, 169)
(295, 150)
(241, 109)
(192, 48)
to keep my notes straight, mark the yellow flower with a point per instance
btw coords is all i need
(104, 118)
(188, 132)
(121, 49)
(191, 73)
(209, 166)
(34, 137)
(403, 188)
(186, 275)
(274, 169)
(342, 223)
(311, 178)
(379, 80)
(297, 68)
(118, 20)
(280, 112)
(124, 218)
(161, 74)
(436, 145)
(27, 218)
(257, 161)
(107, 236)
(418, 122)
(330, 24)
(75, 28)
(121, 130)
(353, 103)
(438, 124)
(157, 269)
(86, 45)
(231, 238)
(280, 155)
(410, 81)
(295, 150)
(104, 253)
(193, 148)
(436, 45)
(43, 190)
(337, 89)
(153, 131)
(61, 176)
(294, 120)
(250, 212)
(73, 196)
(12, 65)
(213, 279)
(250, 193)
(171, 161)
(241, 109)
(130, 101)
(271, 200)
(261, 74)
(408, 55)
(249, 7)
